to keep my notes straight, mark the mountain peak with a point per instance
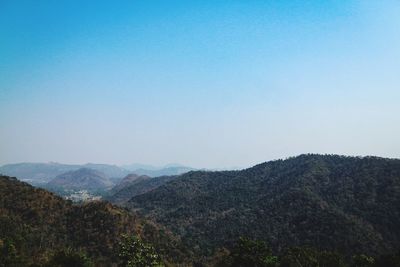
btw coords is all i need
(83, 178)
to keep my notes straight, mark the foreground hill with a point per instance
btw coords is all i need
(84, 178)
(37, 223)
(347, 204)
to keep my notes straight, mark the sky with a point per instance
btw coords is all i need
(209, 84)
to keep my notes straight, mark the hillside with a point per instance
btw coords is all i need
(125, 192)
(83, 178)
(111, 171)
(156, 171)
(38, 223)
(129, 180)
(347, 204)
(167, 171)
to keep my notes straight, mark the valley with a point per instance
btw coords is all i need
(326, 202)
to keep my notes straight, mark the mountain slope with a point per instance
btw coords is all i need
(83, 178)
(125, 193)
(129, 180)
(111, 171)
(39, 223)
(169, 170)
(348, 204)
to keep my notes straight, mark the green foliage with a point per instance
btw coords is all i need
(8, 254)
(362, 260)
(121, 195)
(133, 252)
(255, 253)
(388, 260)
(68, 258)
(251, 253)
(35, 223)
(305, 256)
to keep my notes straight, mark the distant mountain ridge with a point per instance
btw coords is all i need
(154, 171)
(173, 170)
(41, 173)
(348, 204)
(36, 172)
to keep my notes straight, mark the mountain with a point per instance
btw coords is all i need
(111, 171)
(36, 172)
(153, 171)
(40, 173)
(81, 179)
(123, 194)
(34, 224)
(345, 204)
(135, 166)
(129, 180)
(173, 170)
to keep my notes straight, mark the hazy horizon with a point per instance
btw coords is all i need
(206, 84)
(167, 165)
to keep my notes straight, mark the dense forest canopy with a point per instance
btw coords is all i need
(348, 204)
(36, 224)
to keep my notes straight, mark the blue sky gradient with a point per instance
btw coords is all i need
(203, 83)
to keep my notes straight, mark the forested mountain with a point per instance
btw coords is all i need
(84, 178)
(111, 171)
(122, 194)
(35, 224)
(347, 204)
(129, 180)
(305, 208)
(168, 170)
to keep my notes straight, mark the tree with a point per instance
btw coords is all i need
(8, 254)
(389, 260)
(133, 252)
(69, 257)
(330, 259)
(299, 257)
(362, 261)
(311, 257)
(250, 253)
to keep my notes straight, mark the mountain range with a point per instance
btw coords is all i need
(339, 205)
(347, 204)
(42, 173)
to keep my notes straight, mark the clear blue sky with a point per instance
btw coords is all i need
(202, 83)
